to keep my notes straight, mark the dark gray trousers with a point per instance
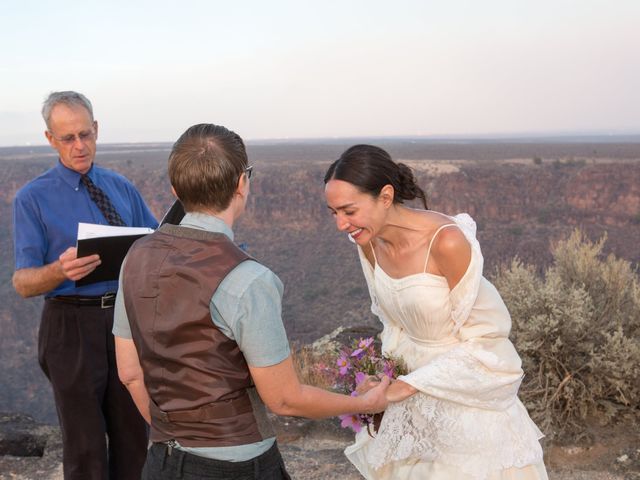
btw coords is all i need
(164, 463)
(103, 434)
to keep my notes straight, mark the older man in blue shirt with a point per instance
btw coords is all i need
(75, 345)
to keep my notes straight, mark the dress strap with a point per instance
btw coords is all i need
(424, 270)
(375, 260)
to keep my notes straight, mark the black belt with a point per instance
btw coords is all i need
(107, 300)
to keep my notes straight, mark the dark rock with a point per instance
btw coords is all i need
(21, 436)
(349, 334)
(46, 467)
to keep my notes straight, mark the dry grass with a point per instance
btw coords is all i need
(313, 366)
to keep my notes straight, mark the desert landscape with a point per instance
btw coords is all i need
(525, 195)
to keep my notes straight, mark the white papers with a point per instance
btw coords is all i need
(111, 244)
(93, 230)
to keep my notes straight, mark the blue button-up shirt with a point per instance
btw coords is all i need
(47, 210)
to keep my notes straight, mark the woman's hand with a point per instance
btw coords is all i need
(399, 390)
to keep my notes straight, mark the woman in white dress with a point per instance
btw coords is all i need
(456, 415)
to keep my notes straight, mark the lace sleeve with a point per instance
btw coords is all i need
(463, 375)
(442, 427)
(464, 294)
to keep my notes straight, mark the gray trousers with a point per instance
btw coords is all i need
(165, 463)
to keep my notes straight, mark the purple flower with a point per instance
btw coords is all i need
(344, 364)
(351, 421)
(388, 369)
(360, 377)
(364, 346)
(357, 352)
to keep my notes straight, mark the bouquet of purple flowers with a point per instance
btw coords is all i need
(355, 364)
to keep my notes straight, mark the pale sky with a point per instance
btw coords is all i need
(302, 69)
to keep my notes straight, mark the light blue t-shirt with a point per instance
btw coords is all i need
(246, 307)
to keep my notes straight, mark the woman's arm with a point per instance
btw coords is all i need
(451, 253)
(397, 391)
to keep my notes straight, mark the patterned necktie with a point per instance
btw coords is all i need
(102, 201)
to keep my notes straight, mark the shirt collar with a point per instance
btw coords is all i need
(203, 221)
(71, 177)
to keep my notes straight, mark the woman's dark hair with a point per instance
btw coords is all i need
(370, 168)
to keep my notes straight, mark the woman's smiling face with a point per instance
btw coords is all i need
(359, 214)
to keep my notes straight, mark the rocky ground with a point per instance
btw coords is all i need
(313, 451)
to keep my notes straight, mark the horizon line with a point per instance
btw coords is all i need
(480, 137)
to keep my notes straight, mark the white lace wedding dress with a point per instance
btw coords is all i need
(466, 422)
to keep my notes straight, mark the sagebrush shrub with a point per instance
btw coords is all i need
(577, 329)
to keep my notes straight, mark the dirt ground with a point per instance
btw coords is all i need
(313, 450)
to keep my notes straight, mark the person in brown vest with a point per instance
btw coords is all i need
(200, 342)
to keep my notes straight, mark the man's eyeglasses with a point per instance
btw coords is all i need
(86, 136)
(248, 171)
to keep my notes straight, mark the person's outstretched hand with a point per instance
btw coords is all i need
(376, 398)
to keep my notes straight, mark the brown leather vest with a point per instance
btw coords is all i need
(202, 394)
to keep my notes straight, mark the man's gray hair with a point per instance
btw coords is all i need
(69, 98)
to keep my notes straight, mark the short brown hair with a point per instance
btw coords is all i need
(205, 165)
